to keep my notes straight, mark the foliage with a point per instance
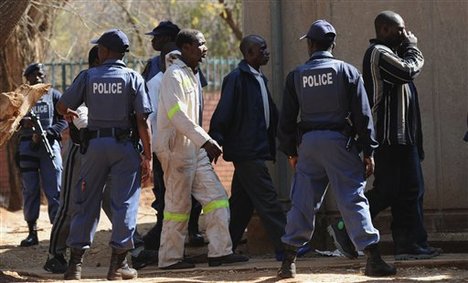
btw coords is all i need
(79, 21)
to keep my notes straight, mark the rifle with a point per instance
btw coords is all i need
(37, 128)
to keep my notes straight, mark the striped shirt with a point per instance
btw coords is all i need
(392, 96)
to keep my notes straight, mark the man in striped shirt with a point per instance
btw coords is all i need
(390, 65)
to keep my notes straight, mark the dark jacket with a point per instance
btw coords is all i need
(238, 123)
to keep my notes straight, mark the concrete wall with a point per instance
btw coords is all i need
(441, 28)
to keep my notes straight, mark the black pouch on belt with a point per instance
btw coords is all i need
(84, 140)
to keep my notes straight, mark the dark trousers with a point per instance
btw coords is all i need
(399, 184)
(252, 188)
(159, 191)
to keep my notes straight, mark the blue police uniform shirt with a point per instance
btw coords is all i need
(321, 92)
(45, 112)
(152, 68)
(112, 93)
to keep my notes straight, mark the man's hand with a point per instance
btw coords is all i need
(146, 168)
(369, 166)
(213, 150)
(292, 161)
(27, 122)
(70, 115)
(410, 38)
(36, 138)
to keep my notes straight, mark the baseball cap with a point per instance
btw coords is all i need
(32, 68)
(320, 30)
(114, 39)
(165, 28)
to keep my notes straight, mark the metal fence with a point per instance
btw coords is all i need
(62, 74)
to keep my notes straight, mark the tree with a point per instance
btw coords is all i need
(60, 30)
(27, 25)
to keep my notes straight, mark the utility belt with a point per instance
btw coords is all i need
(120, 135)
(117, 133)
(347, 131)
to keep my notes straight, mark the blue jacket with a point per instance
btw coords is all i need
(238, 123)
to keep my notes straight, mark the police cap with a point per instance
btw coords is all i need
(320, 30)
(114, 39)
(165, 28)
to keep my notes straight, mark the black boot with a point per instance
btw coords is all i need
(119, 269)
(74, 266)
(31, 239)
(288, 267)
(376, 266)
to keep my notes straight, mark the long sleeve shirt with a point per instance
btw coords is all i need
(388, 78)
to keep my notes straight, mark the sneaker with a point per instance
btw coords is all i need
(342, 241)
(438, 251)
(57, 264)
(231, 258)
(416, 253)
(145, 258)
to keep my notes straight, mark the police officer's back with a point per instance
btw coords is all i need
(115, 95)
(324, 105)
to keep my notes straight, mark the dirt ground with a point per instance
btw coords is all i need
(25, 264)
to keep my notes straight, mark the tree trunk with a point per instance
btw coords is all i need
(28, 25)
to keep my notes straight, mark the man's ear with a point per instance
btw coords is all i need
(384, 30)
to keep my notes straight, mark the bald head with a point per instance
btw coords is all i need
(390, 28)
(387, 18)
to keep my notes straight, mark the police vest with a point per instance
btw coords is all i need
(322, 94)
(44, 110)
(109, 97)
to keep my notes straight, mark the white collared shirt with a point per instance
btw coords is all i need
(266, 105)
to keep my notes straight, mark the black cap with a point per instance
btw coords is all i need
(32, 68)
(165, 28)
(114, 39)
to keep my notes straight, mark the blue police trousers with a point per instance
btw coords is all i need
(119, 161)
(323, 159)
(38, 170)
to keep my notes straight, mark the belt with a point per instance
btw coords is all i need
(109, 133)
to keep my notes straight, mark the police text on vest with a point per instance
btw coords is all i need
(317, 80)
(107, 88)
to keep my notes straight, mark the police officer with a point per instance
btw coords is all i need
(330, 99)
(113, 94)
(36, 165)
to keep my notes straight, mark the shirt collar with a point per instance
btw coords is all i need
(255, 72)
(114, 61)
(321, 54)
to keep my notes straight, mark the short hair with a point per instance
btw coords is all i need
(93, 56)
(186, 36)
(323, 45)
(248, 42)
